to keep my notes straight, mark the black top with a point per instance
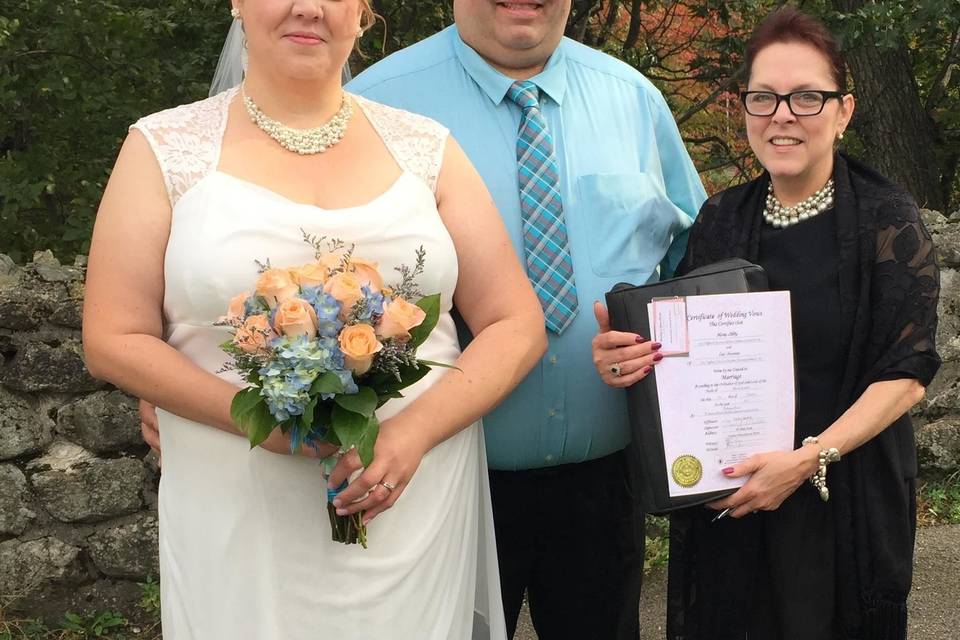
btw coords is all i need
(888, 285)
(803, 259)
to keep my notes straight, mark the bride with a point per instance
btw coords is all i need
(198, 194)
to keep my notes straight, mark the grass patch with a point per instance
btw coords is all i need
(107, 625)
(657, 549)
(938, 501)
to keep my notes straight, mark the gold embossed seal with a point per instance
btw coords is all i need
(687, 471)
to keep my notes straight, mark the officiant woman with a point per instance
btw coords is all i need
(828, 558)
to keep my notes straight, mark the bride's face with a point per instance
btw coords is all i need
(303, 39)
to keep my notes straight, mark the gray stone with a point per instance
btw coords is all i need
(9, 271)
(21, 309)
(15, 516)
(91, 491)
(938, 446)
(49, 268)
(68, 313)
(934, 221)
(102, 422)
(127, 550)
(62, 455)
(27, 568)
(38, 366)
(23, 431)
(947, 242)
(948, 312)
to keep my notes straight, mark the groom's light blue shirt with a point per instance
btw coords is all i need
(629, 193)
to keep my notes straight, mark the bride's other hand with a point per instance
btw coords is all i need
(621, 358)
(397, 455)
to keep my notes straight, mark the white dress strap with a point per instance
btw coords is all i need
(186, 141)
(416, 142)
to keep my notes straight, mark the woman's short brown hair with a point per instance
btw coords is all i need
(789, 24)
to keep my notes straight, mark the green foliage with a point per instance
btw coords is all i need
(938, 501)
(657, 549)
(95, 625)
(150, 598)
(74, 74)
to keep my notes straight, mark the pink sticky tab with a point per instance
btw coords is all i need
(670, 326)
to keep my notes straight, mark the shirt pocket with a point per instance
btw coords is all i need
(629, 222)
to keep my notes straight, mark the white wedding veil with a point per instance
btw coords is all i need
(233, 62)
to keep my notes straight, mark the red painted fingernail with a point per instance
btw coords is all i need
(658, 357)
(727, 471)
(647, 370)
(655, 346)
(641, 339)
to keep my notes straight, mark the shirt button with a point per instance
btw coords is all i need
(553, 359)
(552, 412)
(549, 458)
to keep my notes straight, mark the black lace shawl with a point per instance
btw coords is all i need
(889, 286)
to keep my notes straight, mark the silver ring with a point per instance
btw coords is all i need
(615, 369)
(389, 486)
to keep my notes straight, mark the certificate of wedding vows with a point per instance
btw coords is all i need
(726, 387)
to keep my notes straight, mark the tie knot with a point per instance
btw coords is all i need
(525, 94)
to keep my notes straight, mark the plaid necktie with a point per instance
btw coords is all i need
(545, 248)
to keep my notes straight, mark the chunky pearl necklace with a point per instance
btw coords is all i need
(778, 215)
(302, 141)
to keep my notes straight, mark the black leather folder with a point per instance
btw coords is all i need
(627, 305)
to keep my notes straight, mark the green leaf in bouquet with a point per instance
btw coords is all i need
(383, 397)
(327, 383)
(364, 401)
(443, 365)
(386, 384)
(430, 306)
(356, 430)
(257, 424)
(244, 402)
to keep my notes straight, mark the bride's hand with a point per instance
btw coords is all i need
(277, 442)
(396, 456)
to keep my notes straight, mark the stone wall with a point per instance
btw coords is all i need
(938, 416)
(78, 526)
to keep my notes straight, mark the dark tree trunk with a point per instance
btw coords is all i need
(899, 137)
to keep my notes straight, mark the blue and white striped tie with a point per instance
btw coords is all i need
(545, 245)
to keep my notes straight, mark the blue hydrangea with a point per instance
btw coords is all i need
(297, 363)
(373, 307)
(327, 308)
(254, 306)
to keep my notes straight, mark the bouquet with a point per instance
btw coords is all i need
(322, 346)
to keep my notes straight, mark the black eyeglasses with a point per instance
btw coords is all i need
(801, 103)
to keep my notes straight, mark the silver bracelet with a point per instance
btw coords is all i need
(825, 457)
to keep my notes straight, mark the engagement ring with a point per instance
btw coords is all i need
(615, 369)
(389, 486)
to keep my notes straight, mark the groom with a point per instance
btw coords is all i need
(583, 149)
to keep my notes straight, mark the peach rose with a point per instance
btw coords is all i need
(359, 344)
(366, 271)
(309, 275)
(276, 286)
(345, 288)
(332, 260)
(236, 309)
(254, 334)
(399, 316)
(296, 318)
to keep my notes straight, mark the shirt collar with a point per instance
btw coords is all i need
(552, 80)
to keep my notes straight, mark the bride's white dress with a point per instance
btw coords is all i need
(245, 549)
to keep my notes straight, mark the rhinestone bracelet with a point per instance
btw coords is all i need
(825, 457)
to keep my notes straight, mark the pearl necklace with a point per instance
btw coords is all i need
(302, 141)
(778, 215)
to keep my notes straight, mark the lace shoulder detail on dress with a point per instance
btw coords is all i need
(186, 140)
(417, 142)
